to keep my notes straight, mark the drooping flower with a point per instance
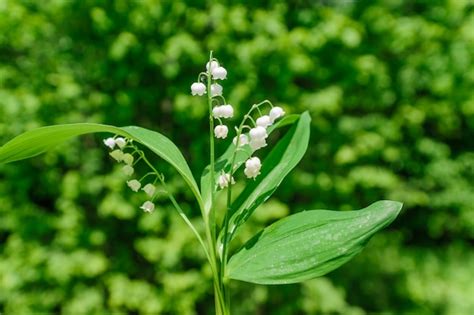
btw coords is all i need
(149, 189)
(264, 121)
(275, 113)
(223, 111)
(258, 133)
(127, 158)
(128, 170)
(134, 185)
(224, 180)
(212, 64)
(110, 142)
(121, 142)
(221, 131)
(198, 88)
(252, 167)
(243, 140)
(256, 144)
(216, 89)
(148, 206)
(219, 73)
(117, 155)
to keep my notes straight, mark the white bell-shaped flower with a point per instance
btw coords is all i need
(258, 133)
(198, 88)
(243, 140)
(223, 111)
(224, 180)
(216, 89)
(264, 121)
(134, 185)
(128, 170)
(127, 158)
(148, 206)
(219, 73)
(252, 167)
(275, 113)
(212, 64)
(256, 144)
(149, 189)
(121, 142)
(117, 155)
(221, 131)
(110, 142)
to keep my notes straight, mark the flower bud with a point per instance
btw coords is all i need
(148, 206)
(244, 139)
(258, 133)
(216, 89)
(198, 88)
(110, 142)
(149, 189)
(117, 155)
(221, 131)
(134, 185)
(219, 73)
(264, 121)
(127, 170)
(276, 112)
(224, 180)
(212, 64)
(121, 142)
(127, 158)
(252, 167)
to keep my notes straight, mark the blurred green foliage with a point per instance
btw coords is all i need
(389, 85)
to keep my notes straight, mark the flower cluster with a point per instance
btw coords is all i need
(120, 156)
(256, 137)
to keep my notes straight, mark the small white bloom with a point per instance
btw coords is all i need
(252, 167)
(258, 133)
(256, 144)
(127, 158)
(223, 111)
(244, 139)
(134, 185)
(121, 142)
(149, 189)
(264, 121)
(117, 155)
(224, 180)
(221, 131)
(110, 142)
(127, 170)
(276, 112)
(213, 64)
(198, 88)
(148, 206)
(216, 89)
(219, 73)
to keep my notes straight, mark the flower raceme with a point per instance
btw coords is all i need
(257, 135)
(128, 159)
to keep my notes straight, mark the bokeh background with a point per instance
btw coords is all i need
(389, 85)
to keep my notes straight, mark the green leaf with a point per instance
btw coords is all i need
(223, 162)
(281, 160)
(309, 244)
(34, 142)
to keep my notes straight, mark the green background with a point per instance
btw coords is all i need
(390, 88)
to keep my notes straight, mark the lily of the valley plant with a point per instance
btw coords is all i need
(299, 247)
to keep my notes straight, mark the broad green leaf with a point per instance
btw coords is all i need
(223, 162)
(34, 142)
(309, 244)
(281, 160)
